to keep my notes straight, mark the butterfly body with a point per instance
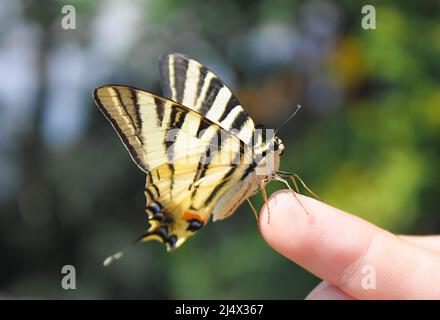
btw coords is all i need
(202, 153)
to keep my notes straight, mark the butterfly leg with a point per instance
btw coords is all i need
(300, 203)
(263, 191)
(293, 192)
(293, 176)
(253, 209)
(294, 184)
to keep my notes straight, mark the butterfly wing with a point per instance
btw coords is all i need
(190, 83)
(190, 160)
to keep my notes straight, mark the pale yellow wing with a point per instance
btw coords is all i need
(190, 160)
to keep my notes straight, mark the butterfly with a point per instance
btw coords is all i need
(202, 153)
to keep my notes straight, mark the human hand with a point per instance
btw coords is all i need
(351, 255)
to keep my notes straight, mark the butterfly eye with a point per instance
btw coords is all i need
(278, 145)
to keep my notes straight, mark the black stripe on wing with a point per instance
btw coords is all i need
(180, 73)
(125, 95)
(128, 143)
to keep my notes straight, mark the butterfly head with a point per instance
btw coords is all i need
(278, 146)
(270, 162)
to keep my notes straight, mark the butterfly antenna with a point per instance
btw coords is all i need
(298, 107)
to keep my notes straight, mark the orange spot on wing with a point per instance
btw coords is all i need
(190, 215)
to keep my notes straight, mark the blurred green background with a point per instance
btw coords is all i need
(366, 140)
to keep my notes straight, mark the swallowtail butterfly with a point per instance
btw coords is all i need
(202, 153)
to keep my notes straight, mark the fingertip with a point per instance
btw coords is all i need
(343, 249)
(277, 202)
(327, 291)
(280, 200)
(318, 237)
(283, 220)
